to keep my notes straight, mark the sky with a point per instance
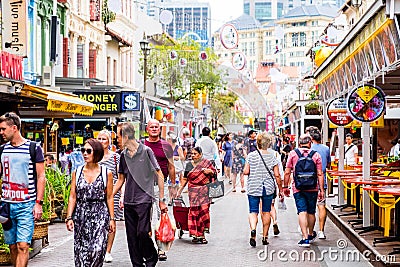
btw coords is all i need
(223, 11)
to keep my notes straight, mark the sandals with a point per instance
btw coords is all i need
(253, 238)
(199, 240)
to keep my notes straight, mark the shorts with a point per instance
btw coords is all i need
(254, 203)
(23, 223)
(306, 201)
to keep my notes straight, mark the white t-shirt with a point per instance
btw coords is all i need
(349, 156)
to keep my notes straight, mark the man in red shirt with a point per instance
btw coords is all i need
(164, 155)
(306, 200)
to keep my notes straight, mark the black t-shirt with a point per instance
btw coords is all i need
(251, 145)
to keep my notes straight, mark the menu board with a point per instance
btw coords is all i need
(366, 103)
(338, 113)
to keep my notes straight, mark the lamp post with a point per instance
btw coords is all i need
(144, 46)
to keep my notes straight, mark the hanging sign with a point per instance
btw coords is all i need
(203, 55)
(338, 113)
(229, 36)
(130, 101)
(366, 103)
(238, 61)
(173, 55)
(183, 62)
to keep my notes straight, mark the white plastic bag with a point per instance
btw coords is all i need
(282, 204)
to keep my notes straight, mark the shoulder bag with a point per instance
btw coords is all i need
(216, 189)
(270, 173)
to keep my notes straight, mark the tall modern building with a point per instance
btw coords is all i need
(190, 18)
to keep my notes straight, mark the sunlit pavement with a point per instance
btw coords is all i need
(228, 243)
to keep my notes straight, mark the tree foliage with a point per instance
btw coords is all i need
(221, 106)
(181, 82)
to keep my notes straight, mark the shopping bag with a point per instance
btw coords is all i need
(216, 189)
(282, 204)
(165, 232)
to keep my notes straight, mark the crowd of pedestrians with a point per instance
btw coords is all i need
(136, 184)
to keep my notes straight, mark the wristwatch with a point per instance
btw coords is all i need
(163, 200)
(40, 202)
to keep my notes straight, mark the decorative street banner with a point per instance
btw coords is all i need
(238, 61)
(366, 103)
(338, 113)
(229, 36)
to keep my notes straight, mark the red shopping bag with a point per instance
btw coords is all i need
(165, 231)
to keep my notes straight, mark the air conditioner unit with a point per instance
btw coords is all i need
(46, 77)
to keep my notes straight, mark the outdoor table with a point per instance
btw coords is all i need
(395, 191)
(375, 189)
(344, 177)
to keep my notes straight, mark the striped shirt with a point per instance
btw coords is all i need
(17, 168)
(259, 177)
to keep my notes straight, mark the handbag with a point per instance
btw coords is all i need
(272, 177)
(216, 189)
(5, 215)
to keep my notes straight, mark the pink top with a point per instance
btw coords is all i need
(292, 160)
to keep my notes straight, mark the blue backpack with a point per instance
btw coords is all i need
(305, 171)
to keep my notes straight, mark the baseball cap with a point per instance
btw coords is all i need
(251, 132)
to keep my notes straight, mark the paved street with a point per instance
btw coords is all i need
(228, 243)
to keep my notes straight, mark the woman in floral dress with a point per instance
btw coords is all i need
(91, 207)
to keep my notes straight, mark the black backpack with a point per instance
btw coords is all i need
(305, 171)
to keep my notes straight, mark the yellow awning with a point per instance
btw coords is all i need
(59, 101)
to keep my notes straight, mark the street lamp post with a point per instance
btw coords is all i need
(144, 46)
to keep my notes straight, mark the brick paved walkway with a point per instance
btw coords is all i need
(228, 243)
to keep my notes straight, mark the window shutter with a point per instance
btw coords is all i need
(92, 63)
(65, 57)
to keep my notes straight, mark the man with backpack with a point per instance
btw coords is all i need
(307, 186)
(22, 168)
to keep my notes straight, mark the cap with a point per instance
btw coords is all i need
(251, 132)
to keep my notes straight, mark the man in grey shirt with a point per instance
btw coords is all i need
(138, 168)
(209, 148)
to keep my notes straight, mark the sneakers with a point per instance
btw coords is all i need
(312, 237)
(321, 235)
(276, 229)
(108, 258)
(253, 238)
(162, 256)
(304, 243)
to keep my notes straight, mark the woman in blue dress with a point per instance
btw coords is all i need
(227, 147)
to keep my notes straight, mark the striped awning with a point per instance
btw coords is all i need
(59, 101)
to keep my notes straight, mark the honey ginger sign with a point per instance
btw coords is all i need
(338, 113)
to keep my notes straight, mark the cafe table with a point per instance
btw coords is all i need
(343, 177)
(395, 191)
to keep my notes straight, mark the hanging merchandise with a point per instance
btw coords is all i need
(159, 114)
(229, 36)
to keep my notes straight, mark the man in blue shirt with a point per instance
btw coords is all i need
(323, 150)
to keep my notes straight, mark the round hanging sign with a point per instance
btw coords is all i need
(366, 103)
(173, 55)
(338, 113)
(229, 36)
(238, 61)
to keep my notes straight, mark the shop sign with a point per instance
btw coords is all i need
(130, 101)
(104, 102)
(11, 66)
(366, 103)
(14, 27)
(337, 112)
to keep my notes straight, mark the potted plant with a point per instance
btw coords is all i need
(313, 108)
(42, 226)
(59, 183)
(5, 257)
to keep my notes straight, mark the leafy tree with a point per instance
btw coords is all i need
(107, 15)
(182, 81)
(221, 107)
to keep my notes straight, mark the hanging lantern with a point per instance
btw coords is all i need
(321, 55)
(159, 114)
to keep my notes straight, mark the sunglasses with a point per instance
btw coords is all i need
(87, 150)
(13, 117)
